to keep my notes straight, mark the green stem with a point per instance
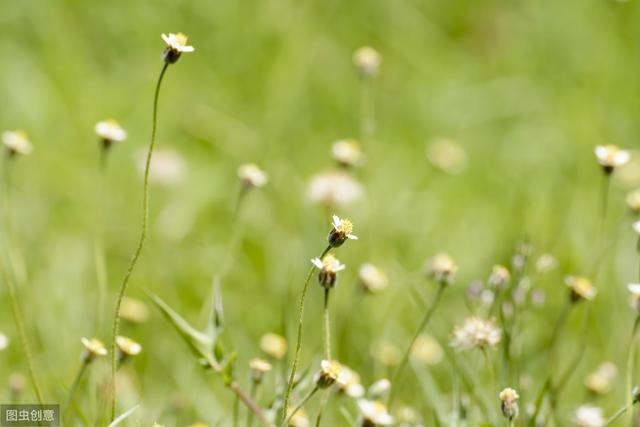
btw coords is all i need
(72, 391)
(405, 358)
(236, 410)
(605, 201)
(629, 374)
(99, 253)
(252, 394)
(323, 405)
(492, 372)
(143, 235)
(367, 121)
(301, 404)
(296, 357)
(327, 326)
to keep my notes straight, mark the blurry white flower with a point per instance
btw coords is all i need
(133, 310)
(601, 380)
(372, 279)
(273, 345)
(633, 201)
(367, 60)
(4, 341)
(476, 333)
(258, 368)
(426, 350)
(611, 157)
(349, 383)
(109, 131)
(331, 372)
(636, 226)
(347, 152)
(509, 403)
(252, 176)
(176, 45)
(588, 416)
(499, 277)
(634, 289)
(16, 142)
(329, 267)
(545, 263)
(442, 268)
(385, 353)
(92, 348)
(374, 413)
(447, 155)
(167, 166)
(379, 389)
(581, 288)
(127, 347)
(334, 188)
(299, 419)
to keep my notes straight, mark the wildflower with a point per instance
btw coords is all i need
(509, 403)
(581, 288)
(601, 380)
(476, 333)
(4, 341)
(340, 232)
(127, 348)
(109, 131)
(442, 268)
(385, 353)
(374, 413)
(426, 350)
(329, 267)
(258, 368)
(347, 152)
(447, 155)
(299, 419)
(611, 157)
(252, 176)
(334, 188)
(273, 345)
(545, 263)
(133, 310)
(500, 277)
(176, 45)
(16, 142)
(167, 166)
(633, 201)
(634, 289)
(93, 348)
(372, 279)
(350, 383)
(367, 60)
(588, 416)
(330, 373)
(379, 389)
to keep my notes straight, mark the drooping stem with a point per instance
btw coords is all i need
(629, 374)
(73, 389)
(327, 326)
(405, 358)
(301, 404)
(296, 356)
(143, 235)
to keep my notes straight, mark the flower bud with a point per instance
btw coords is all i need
(509, 403)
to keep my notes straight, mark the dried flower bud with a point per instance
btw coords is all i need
(509, 403)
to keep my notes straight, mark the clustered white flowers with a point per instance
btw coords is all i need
(476, 333)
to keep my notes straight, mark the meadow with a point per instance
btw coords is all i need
(460, 145)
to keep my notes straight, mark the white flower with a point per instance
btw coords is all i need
(347, 152)
(379, 389)
(611, 157)
(252, 176)
(636, 227)
(329, 267)
(176, 45)
(509, 403)
(4, 341)
(588, 416)
(167, 166)
(16, 142)
(273, 345)
(258, 368)
(341, 232)
(601, 380)
(375, 412)
(92, 348)
(331, 372)
(372, 278)
(499, 277)
(633, 200)
(427, 350)
(476, 333)
(442, 268)
(127, 347)
(349, 383)
(110, 131)
(545, 263)
(367, 60)
(581, 288)
(334, 188)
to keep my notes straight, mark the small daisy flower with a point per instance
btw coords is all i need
(133, 310)
(274, 345)
(371, 278)
(127, 347)
(258, 368)
(581, 288)
(252, 176)
(367, 60)
(499, 277)
(347, 152)
(611, 157)
(334, 188)
(4, 341)
(601, 380)
(636, 227)
(588, 416)
(176, 45)
(109, 131)
(349, 383)
(633, 201)
(379, 389)
(509, 403)
(330, 373)
(427, 350)
(329, 268)
(442, 268)
(16, 142)
(93, 348)
(476, 333)
(374, 413)
(341, 232)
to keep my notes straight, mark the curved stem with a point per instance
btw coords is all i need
(72, 391)
(327, 326)
(405, 358)
(296, 357)
(301, 404)
(629, 375)
(143, 235)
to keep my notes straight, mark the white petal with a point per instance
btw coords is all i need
(317, 262)
(352, 236)
(188, 48)
(336, 221)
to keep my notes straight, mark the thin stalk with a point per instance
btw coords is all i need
(99, 252)
(618, 414)
(143, 235)
(72, 391)
(301, 404)
(407, 353)
(629, 374)
(296, 357)
(492, 371)
(605, 201)
(323, 405)
(236, 410)
(252, 394)
(327, 325)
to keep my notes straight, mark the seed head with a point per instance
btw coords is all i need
(16, 142)
(581, 288)
(367, 60)
(611, 157)
(252, 176)
(176, 45)
(93, 348)
(509, 403)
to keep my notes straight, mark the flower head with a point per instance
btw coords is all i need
(16, 142)
(633, 201)
(127, 347)
(442, 268)
(93, 348)
(447, 155)
(334, 188)
(347, 152)
(581, 288)
(500, 277)
(109, 131)
(367, 60)
(258, 368)
(374, 413)
(476, 333)
(601, 380)
(588, 416)
(176, 45)
(341, 232)
(611, 157)
(133, 310)
(329, 268)
(509, 403)
(349, 383)
(252, 176)
(372, 279)
(330, 373)
(274, 345)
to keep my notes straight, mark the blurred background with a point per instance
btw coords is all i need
(486, 114)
